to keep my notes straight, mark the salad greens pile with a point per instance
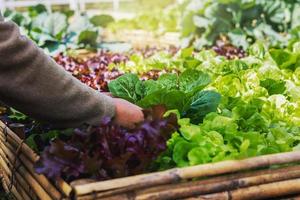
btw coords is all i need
(242, 22)
(259, 112)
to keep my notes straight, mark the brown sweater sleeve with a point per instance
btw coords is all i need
(34, 84)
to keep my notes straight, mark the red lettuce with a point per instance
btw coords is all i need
(93, 71)
(223, 48)
(108, 151)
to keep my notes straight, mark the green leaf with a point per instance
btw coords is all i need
(192, 81)
(151, 86)
(203, 102)
(285, 58)
(168, 81)
(16, 115)
(53, 24)
(191, 63)
(88, 37)
(173, 99)
(188, 130)
(128, 87)
(188, 26)
(245, 145)
(180, 153)
(186, 52)
(273, 86)
(202, 22)
(36, 10)
(30, 141)
(198, 156)
(102, 20)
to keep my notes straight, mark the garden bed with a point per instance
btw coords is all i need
(222, 117)
(244, 179)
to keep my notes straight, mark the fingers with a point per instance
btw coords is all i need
(127, 114)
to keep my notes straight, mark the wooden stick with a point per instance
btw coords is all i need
(13, 140)
(216, 196)
(212, 185)
(22, 178)
(220, 179)
(64, 187)
(44, 182)
(265, 191)
(24, 190)
(3, 179)
(13, 189)
(218, 186)
(40, 192)
(176, 175)
(82, 181)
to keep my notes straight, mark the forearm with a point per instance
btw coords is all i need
(33, 83)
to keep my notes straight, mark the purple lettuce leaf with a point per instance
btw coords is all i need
(108, 151)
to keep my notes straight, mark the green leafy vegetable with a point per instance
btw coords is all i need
(273, 86)
(242, 22)
(171, 90)
(128, 87)
(202, 104)
(16, 115)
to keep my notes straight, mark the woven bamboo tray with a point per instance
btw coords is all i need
(251, 178)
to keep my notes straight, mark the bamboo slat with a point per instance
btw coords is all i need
(219, 179)
(64, 187)
(264, 191)
(176, 175)
(211, 185)
(198, 187)
(24, 188)
(36, 187)
(41, 179)
(14, 141)
(13, 190)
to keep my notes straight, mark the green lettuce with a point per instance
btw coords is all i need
(183, 92)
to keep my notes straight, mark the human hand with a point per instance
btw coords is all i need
(127, 114)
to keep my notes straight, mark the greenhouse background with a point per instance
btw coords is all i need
(114, 7)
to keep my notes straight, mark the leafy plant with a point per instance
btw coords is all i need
(258, 114)
(242, 22)
(182, 92)
(16, 115)
(108, 151)
(56, 31)
(97, 76)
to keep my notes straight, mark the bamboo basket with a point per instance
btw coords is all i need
(264, 177)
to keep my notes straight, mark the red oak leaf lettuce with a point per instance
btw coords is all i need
(108, 151)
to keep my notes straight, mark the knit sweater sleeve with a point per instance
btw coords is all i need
(31, 82)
